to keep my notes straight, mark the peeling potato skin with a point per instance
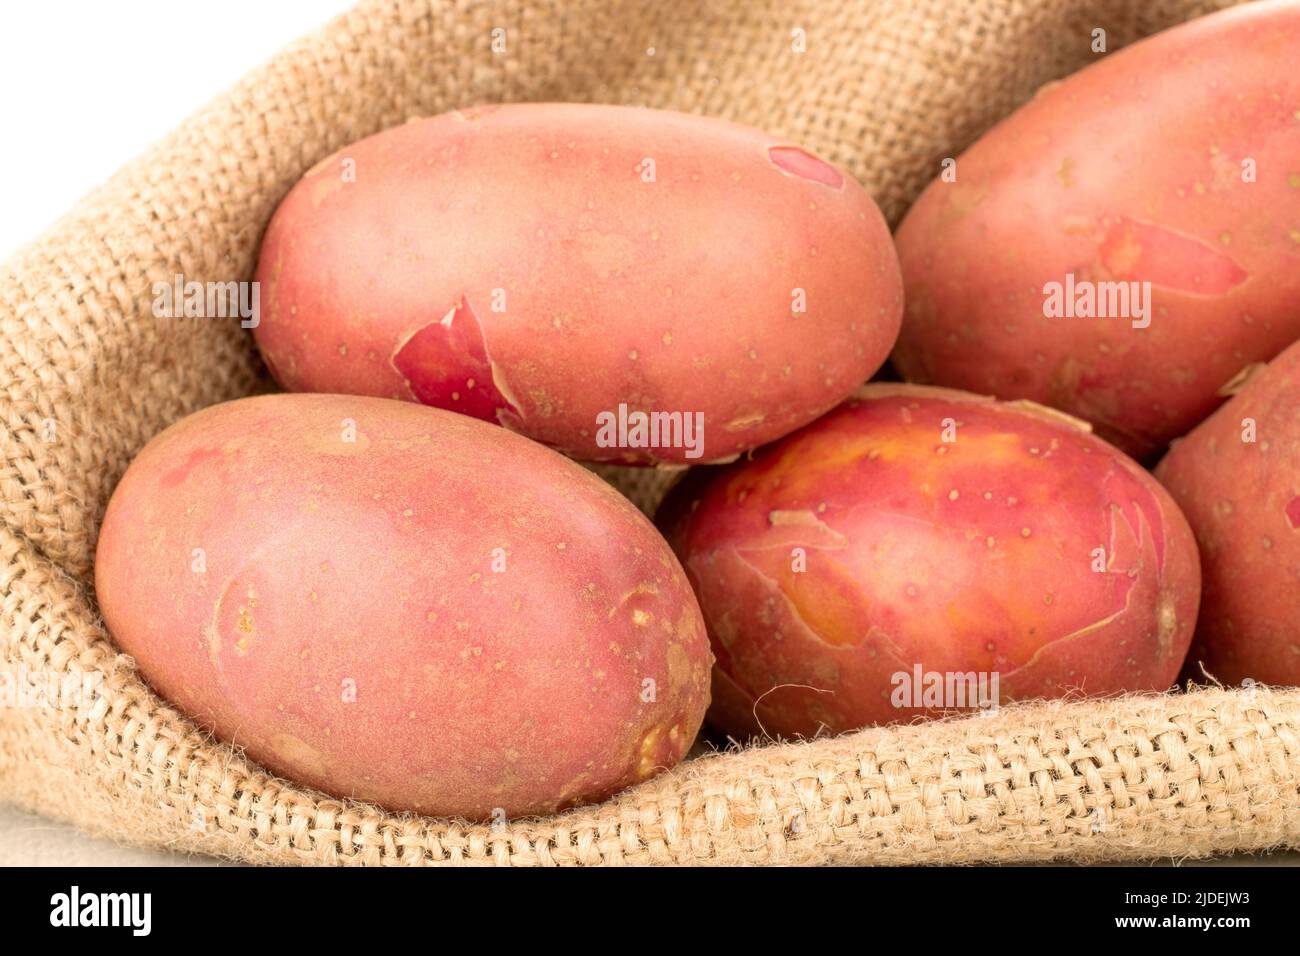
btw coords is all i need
(1243, 502)
(1128, 170)
(968, 556)
(372, 562)
(675, 295)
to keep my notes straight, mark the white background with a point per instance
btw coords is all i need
(86, 85)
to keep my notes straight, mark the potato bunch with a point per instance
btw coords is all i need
(392, 583)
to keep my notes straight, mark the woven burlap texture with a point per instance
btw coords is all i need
(886, 90)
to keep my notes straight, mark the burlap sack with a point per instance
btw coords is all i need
(886, 89)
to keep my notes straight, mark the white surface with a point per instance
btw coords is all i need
(87, 85)
(27, 840)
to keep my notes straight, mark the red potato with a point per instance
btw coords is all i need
(541, 265)
(1237, 478)
(1175, 161)
(917, 538)
(435, 615)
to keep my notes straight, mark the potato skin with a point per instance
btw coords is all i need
(672, 295)
(1242, 499)
(1130, 170)
(367, 568)
(965, 556)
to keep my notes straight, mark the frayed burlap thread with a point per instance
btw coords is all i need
(886, 90)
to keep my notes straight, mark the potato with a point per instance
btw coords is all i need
(1174, 162)
(571, 270)
(402, 605)
(1237, 478)
(921, 550)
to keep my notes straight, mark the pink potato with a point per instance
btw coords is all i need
(921, 550)
(401, 605)
(541, 265)
(1237, 478)
(1175, 161)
